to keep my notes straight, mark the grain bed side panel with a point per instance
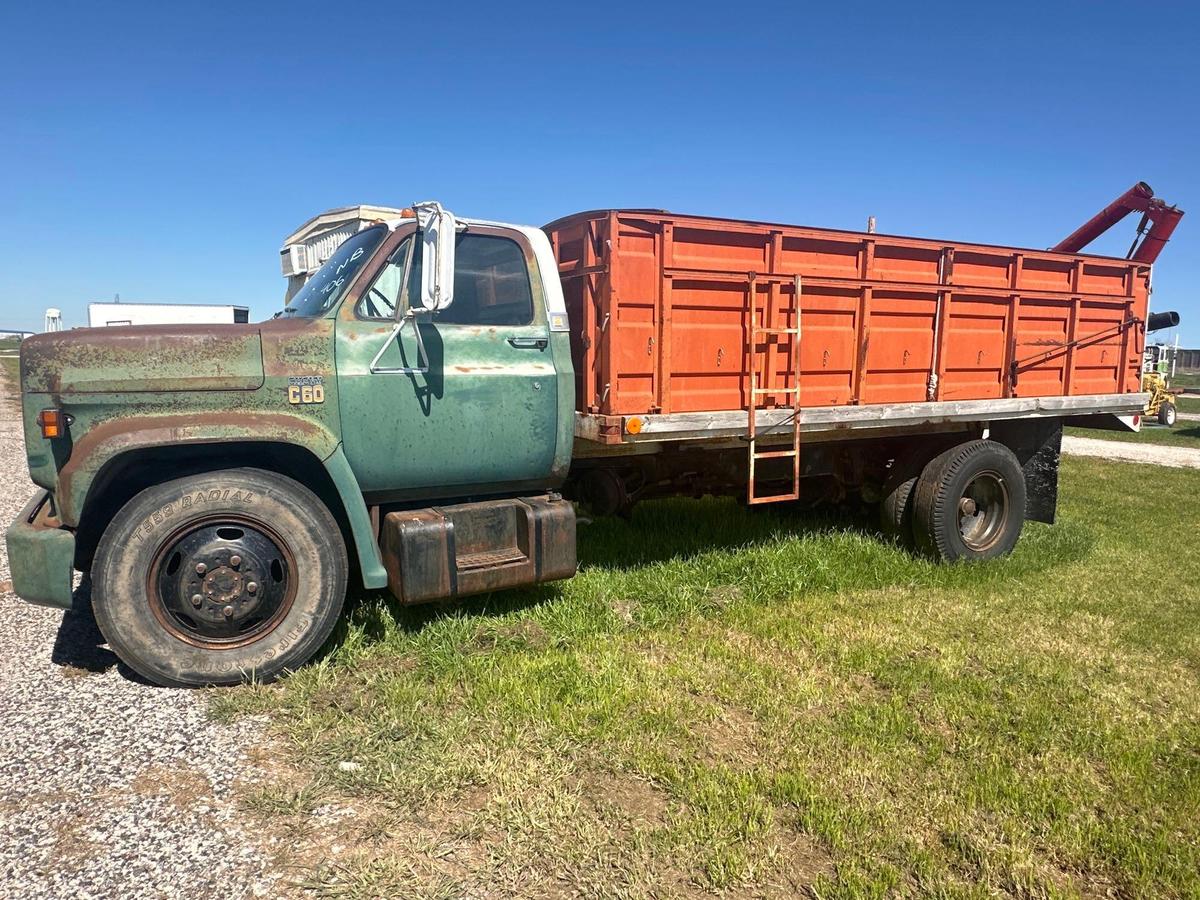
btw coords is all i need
(662, 324)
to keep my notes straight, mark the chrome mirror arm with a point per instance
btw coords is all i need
(422, 366)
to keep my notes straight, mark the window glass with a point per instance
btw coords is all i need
(491, 283)
(380, 300)
(322, 292)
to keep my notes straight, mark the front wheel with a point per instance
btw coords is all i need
(969, 503)
(1167, 414)
(219, 578)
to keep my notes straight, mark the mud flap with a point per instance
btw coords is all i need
(1037, 444)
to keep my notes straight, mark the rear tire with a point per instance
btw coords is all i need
(969, 503)
(219, 578)
(895, 509)
(1167, 414)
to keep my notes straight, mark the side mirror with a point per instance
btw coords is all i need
(438, 230)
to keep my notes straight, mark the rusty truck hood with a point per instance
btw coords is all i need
(140, 358)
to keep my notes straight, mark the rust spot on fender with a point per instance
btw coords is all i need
(107, 440)
(144, 358)
(297, 347)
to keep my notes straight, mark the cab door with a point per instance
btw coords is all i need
(471, 406)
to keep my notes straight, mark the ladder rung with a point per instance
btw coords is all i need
(791, 390)
(773, 498)
(775, 454)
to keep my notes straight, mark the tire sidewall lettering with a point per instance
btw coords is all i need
(192, 500)
(302, 625)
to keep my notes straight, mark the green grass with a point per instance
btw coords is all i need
(1189, 380)
(1184, 434)
(1188, 404)
(767, 704)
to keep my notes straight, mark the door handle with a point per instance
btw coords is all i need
(528, 343)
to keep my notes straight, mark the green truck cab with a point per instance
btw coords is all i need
(408, 418)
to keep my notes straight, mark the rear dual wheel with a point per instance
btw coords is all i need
(895, 509)
(219, 578)
(969, 503)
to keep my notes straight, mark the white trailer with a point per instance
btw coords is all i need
(102, 314)
(306, 249)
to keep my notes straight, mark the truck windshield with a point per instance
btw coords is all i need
(322, 292)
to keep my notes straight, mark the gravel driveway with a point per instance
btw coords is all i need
(109, 787)
(1156, 454)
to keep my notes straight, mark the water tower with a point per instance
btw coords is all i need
(53, 319)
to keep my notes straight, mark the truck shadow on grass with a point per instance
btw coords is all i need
(673, 551)
(664, 557)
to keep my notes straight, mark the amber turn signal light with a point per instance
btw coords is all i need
(53, 423)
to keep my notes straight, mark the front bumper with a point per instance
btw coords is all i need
(41, 555)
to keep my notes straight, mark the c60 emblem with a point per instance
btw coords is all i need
(306, 390)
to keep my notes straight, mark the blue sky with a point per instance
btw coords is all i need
(162, 151)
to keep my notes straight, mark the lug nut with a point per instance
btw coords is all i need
(252, 587)
(235, 560)
(197, 600)
(201, 568)
(228, 612)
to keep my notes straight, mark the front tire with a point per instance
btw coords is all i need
(219, 578)
(969, 503)
(1167, 415)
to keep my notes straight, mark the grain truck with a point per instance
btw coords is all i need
(429, 410)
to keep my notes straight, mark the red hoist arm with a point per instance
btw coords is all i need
(1147, 244)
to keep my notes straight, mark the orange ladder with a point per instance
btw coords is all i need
(760, 337)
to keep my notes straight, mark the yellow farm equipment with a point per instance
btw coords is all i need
(1161, 405)
(1157, 366)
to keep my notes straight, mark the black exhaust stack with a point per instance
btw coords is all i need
(1159, 321)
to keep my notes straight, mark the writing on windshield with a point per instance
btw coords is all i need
(322, 292)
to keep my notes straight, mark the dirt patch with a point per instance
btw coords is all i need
(524, 635)
(69, 671)
(386, 664)
(182, 787)
(724, 595)
(346, 844)
(625, 610)
(732, 736)
(72, 846)
(639, 802)
(802, 861)
(346, 698)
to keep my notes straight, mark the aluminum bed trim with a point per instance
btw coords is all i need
(603, 429)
